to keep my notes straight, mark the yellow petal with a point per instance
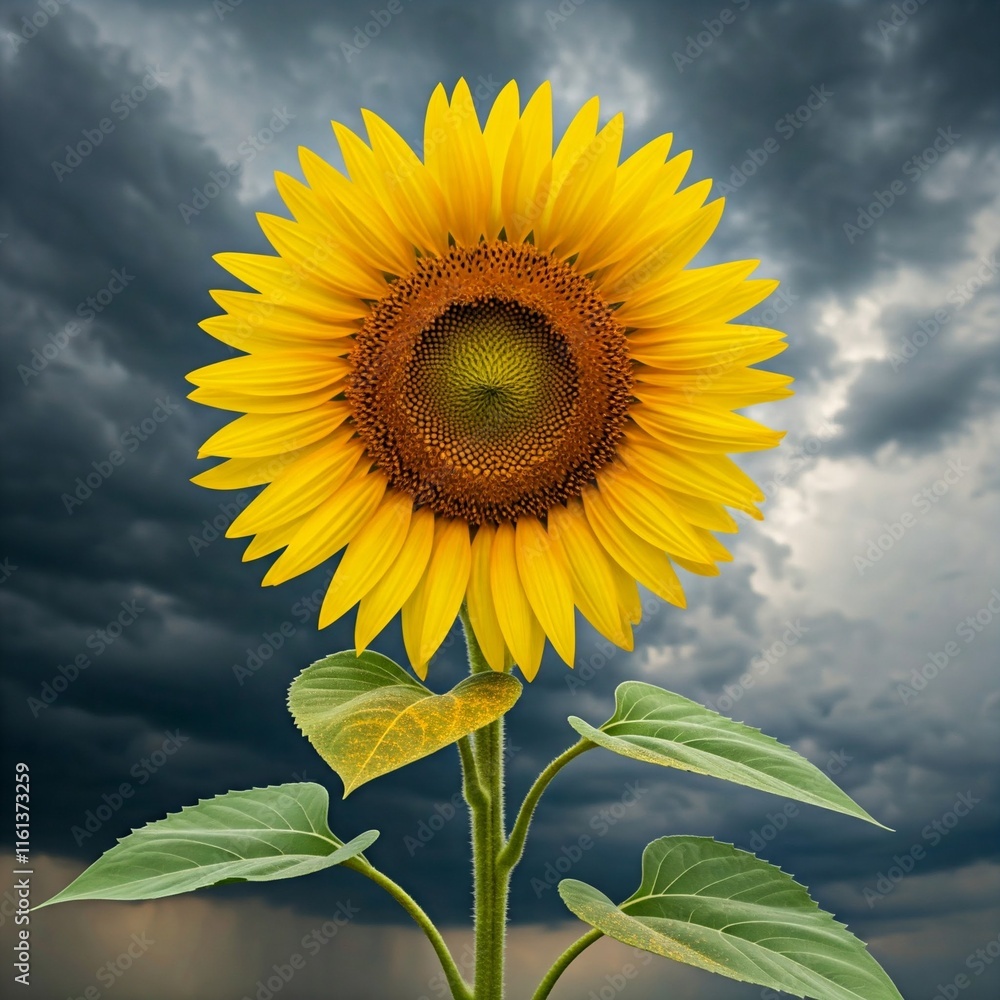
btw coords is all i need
(701, 569)
(282, 282)
(257, 435)
(291, 372)
(645, 282)
(412, 196)
(368, 556)
(635, 181)
(236, 473)
(724, 387)
(456, 158)
(584, 196)
(522, 631)
(302, 486)
(528, 170)
(381, 603)
(629, 602)
(577, 137)
(701, 513)
(643, 561)
(594, 585)
(702, 429)
(329, 528)
(223, 399)
(431, 610)
(546, 582)
(689, 348)
(334, 203)
(266, 542)
(497, 134)
(329, 262)
(480, 599)
(646, 509)
(256, 325)
(714, 477)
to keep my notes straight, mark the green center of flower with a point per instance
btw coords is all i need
(491, 382)
(491, 386)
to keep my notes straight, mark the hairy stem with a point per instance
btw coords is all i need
(488, 839)
(563, 961)
(459, 987)
(512, 852)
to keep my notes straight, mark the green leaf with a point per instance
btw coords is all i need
(660, 727)
(252, 836)
(719, 908)
(366, 716)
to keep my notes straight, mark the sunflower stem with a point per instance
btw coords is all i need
(562, 963)
(511, 853)
(486, 804)
(459, 987)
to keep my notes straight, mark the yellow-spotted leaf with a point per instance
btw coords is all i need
(660, 727)
(257, 835)
(718, 908)
(366, 716)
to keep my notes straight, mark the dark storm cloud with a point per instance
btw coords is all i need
(928, 388)
(829, 107)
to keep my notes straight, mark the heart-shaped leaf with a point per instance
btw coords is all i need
(366, 716)
(719, 908)
(660, 727)
(252, 836)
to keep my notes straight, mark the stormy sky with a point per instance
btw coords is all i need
(858, 147)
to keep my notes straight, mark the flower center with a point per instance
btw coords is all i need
(490, 383)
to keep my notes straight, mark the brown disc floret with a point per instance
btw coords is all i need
(490, 383)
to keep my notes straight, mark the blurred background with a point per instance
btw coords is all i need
(857, 146)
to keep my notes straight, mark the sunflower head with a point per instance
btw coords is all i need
(489, 376)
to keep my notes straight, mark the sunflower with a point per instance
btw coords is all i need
(488, 376)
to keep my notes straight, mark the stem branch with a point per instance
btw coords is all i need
(562, 962)
(514, 848)
(459, 987)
